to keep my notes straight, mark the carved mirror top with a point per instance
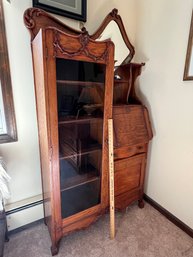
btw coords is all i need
(35, 19)
(112, 27)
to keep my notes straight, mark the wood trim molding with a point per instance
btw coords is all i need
(169, 216)
(36, 19)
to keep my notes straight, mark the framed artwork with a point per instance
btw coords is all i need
(74, 9)
(8, 132)
(188, 70)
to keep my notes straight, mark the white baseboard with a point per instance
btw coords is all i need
(24, 212)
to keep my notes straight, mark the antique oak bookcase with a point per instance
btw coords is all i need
(77, 90)
(73, 83)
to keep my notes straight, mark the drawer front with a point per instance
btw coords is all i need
(129, 174)
(128, 151)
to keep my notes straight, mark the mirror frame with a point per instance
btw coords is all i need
(189, 53)
(6, 86)
(114, 16)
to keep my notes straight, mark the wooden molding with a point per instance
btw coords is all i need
(80, 44)
(36, 19)
(169, 216)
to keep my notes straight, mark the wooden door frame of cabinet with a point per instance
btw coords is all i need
(50, 51)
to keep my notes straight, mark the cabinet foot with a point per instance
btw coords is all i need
(141, 204)
(124, 210)
(54, 249)
(45, 222)
(6, 235)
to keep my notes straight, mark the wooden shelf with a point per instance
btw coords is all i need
(79, 180)
(84, 152)
(117, 81)
(79, 83)
(73, 119)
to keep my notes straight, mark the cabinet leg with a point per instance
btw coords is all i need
(54, 249)
(141, 204)
(45, 221)
(6, 235)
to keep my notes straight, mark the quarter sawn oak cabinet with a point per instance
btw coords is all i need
(78, 89)
(132, 133)
(73, 79)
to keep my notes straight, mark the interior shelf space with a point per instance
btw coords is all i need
(80, 198)
(117, 81)
(79, 169)
(78, 180)
(80, 177)
(71, 153)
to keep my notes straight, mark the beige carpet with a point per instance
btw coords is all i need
(139, 233)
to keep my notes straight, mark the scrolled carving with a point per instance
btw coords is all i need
(36, 19)
(29, 17)
(114, 13)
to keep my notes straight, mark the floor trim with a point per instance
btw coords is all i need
(24, 227)
(169, 216)
(24, 207)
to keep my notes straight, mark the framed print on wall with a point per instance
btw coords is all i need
(8, 131)
(74, 9)
(188, 70)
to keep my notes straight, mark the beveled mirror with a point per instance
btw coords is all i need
(113, 28)
(8, 132)
(188, 71)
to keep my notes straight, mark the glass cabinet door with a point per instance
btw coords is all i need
(80, 96)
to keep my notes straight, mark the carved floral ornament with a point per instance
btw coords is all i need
(84, 40)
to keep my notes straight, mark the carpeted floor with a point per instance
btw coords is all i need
(139, 233)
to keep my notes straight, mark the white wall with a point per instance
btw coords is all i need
(161, 41)
(22, 157)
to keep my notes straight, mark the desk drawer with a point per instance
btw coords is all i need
(129, 174)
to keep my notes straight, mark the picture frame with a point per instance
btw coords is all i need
(188, 70)
(74, 9)
(8, 130)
